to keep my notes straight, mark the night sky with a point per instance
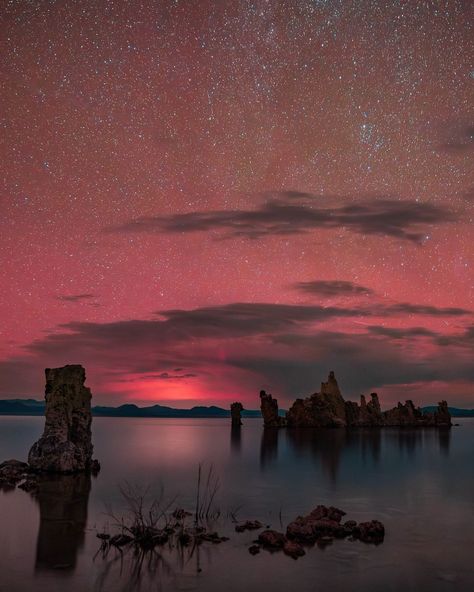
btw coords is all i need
(202, 199)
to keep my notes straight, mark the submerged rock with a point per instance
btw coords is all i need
(235, 413)
(66, 443)
(254, 549)
(293, 549)
(272, 539)
(370, 532)
(248, 525)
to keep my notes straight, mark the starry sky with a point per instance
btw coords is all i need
(202, 199)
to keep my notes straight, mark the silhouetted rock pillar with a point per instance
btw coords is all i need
(235, 411)
(442, 417)
(66, 443)
(269, 409)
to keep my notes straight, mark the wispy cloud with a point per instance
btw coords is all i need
(290, 213)
(75, 297)
(330, 288)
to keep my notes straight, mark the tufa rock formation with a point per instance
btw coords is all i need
(66, 443)
(235, 411)
(269, 409)
(324, 409)
(328, 409)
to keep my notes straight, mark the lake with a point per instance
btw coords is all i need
(419, 483)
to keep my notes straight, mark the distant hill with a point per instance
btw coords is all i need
(21, 407)
(455, 411)
(32, 407)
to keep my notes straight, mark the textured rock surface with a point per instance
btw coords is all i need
(12, 472)
(248, 525)
(272, 539)
(235, 411)
(66, 444)
(269, 408)
(328, 409)
(324, 409)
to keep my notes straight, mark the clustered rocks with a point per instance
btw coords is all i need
(66, 443)
(329, 409)
(321, 527)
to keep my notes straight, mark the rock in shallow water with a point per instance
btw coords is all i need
(370, 532)
(293, 549)
(66, 443)
(248, 525)
(272, 539)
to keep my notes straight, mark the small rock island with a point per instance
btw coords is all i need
(66, 444)
(329, 409)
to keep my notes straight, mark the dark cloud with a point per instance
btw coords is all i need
(75, 297)
(465, 339)
(227, 321)
(397, 333)
(160, 376)
(422, 309)
(296, 213)
(361, 362)
(333, 288)
(278, 344)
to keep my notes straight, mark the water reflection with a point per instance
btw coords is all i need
(322, 445)
(236, 439)
(63, 501)
(368, 441)
(409, 440)
(328, 446)
(269, 446)
(444, 436)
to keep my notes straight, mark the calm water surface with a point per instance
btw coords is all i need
(420, 483)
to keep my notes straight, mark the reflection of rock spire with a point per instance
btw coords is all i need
(63, 501)
(235, 438)
(269, 446)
